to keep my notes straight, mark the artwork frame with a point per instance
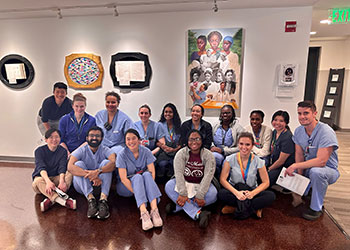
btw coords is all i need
(28, 71)
(83, 71)
(131, 57)
(214, 68)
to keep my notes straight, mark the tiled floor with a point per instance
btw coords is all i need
(23, 226)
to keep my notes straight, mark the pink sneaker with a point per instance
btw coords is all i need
(71, 204)
(156, 219)
(45, 205)
(146, 221)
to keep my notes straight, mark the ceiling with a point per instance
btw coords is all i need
(22, 9)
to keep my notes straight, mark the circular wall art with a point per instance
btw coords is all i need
(83, 71)
(16, 71)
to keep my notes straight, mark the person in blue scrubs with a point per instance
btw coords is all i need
(92, 165)
(149, 131)
(74, 126)
(170, 123)
(113, 122)
(137, 174)
(225, 134)
(316, 156)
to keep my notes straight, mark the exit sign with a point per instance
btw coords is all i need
(340, 15)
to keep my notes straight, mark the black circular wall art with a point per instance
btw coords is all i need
(16, 71)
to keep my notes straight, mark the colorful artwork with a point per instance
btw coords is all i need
(214, 68)
(83, 71)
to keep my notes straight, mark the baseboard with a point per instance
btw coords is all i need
(18, 159)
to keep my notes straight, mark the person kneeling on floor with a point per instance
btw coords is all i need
(50, 176)
(92, 165)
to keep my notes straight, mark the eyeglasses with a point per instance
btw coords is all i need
(94, 135)
(197, 139)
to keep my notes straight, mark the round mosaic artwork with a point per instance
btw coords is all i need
(83, 71)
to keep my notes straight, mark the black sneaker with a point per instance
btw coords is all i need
(170, 208)
(204, 218)
(310, 214)
(92, 208)
(103, 210)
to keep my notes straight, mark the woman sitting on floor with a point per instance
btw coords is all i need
(225, 134)
(241, 193)
(149, 131)
(191, 189)
(137, 173)
(262, 135)
(170, 122)
(50, 176)
(282, 145)
(75, 125)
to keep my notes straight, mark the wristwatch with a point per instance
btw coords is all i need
(99, 170)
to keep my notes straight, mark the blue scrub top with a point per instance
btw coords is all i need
(92, 160)
(223, 137)
(127, 160)
(120, 124)
(167, 132)
(152, 135)
(323, 136)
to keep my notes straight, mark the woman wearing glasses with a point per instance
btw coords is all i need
(191, 189)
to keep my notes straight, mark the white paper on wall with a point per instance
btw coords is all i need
(330, 102)
(327, 114)
(15, 71)
(130, 71)
(333, 90)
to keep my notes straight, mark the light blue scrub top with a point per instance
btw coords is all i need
(92, 160)
(153, 134)
(223, 137)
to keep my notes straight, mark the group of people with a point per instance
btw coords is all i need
(213, 71)
(191, 156)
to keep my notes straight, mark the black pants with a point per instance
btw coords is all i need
(273, 175)
(261, 200)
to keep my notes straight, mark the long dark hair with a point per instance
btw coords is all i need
(285, 116)
(176, 117)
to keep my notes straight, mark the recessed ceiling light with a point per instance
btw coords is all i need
(313, 33)
(326, 21)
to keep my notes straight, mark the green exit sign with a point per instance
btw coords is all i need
(340, 15)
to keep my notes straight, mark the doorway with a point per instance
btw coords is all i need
(311, 73)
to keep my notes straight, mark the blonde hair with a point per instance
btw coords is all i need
(79, 97)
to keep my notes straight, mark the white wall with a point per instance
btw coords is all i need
(45, 42)
(333, 54)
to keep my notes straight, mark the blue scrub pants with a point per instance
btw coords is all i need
(190, 208)
(84, 185)
(117, 149)
(145, 189)
(320, 178)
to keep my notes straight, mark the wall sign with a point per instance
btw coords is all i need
(291, 26)
(83, 71)
(16, 71)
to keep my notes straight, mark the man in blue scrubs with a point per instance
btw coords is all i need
(92, 165)
(315, 156)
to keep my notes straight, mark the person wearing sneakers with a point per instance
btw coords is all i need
(241, 193)
(50, 176)
(136, 171)
(92, 165)
(316, 156)
(191, 189)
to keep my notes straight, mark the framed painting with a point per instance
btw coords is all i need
(214, 68)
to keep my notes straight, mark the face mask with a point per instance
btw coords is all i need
(94, 143)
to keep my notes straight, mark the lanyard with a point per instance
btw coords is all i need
(171, 133)
(244, 173)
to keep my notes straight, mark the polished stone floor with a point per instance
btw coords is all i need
(23, 226)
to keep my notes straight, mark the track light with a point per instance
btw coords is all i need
(215, 7)
(59, 14)
(116, 13)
